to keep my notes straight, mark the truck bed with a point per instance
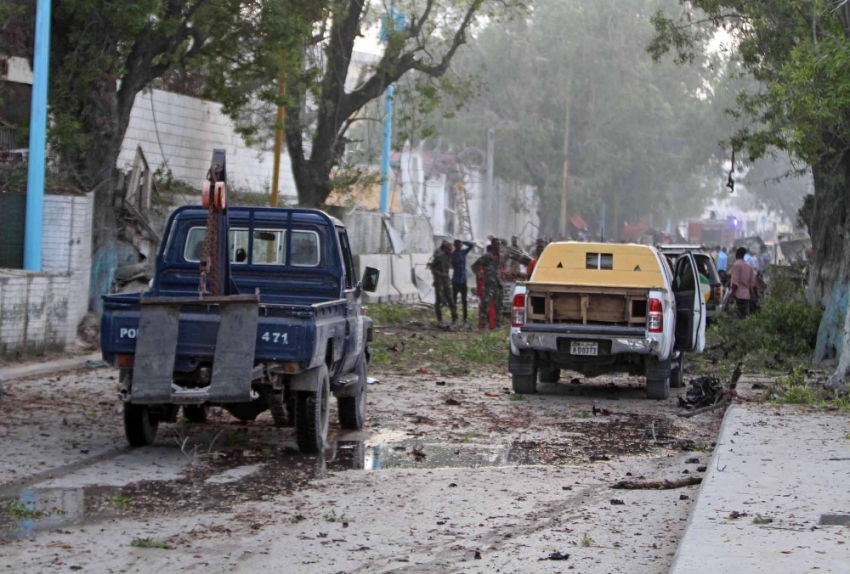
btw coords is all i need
(284, 332)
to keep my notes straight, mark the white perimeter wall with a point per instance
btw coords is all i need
(41, 311)
(188, 130)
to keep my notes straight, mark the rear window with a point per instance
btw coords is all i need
(599, 261)
(268, 246)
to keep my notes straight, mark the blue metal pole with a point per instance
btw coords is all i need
(38, 139)
(385, 155)
(388, 128)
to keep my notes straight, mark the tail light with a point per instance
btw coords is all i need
(655, 317)
(718, 295)
(125, 361)
(518, 311)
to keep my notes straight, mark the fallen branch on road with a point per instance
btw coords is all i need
(721, 404)
(657, 484)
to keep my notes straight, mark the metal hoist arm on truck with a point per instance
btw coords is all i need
(159, 318)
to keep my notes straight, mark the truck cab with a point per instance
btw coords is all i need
(599, 308)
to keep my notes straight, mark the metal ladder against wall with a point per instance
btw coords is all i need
(462, 200)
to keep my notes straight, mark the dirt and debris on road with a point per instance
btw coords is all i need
(453, 472)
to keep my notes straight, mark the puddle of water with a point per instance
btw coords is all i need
(262, 472)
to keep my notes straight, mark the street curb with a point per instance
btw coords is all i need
(712, 464)
(58, 366)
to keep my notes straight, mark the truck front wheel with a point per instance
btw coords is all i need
(311, 415)
(524, 384)
(352, 410)
(658, 389)
(140, 425)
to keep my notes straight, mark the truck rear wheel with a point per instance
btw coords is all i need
(524, 384)
(352, 410)
(549, 375)
(658, 389)
(140, 425)
(312, 414)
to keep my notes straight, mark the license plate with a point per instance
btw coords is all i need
(586, 349)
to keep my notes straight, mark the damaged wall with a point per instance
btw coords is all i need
(41, 311)
(179, 133)
(34, 312)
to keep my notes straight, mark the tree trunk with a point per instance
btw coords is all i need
(829, 272)
(110, 123)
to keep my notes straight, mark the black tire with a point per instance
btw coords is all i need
(352, 410)
(657, 389)
(524, 384)
(549, 375)
(195, 414)
(140, 425)
(677, 373)
(312, 411)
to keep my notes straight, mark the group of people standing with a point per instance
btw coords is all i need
(449, 270)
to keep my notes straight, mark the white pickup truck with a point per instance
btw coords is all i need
(599, 308)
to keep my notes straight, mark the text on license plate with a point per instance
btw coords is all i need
(582, 348)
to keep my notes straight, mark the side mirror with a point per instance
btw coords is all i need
(370, 279)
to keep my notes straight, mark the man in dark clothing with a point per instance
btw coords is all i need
(440, 268)
(487, 266)
(458, 259)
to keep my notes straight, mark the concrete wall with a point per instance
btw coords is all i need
(34, 312)
(368, 235)
(66, 247)
(182, 131)
(41, 311)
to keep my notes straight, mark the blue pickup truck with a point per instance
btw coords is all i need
(286, 332)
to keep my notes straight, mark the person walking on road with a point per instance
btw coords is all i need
(722, 260)
(743, 283)
(487, 267)
(458, 259)
(440, 268)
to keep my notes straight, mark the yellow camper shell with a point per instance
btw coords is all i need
(599, 265)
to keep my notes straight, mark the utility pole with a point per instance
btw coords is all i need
(566, 170)
(34, 222)
(491, 198)
(278, 133)
(389, 23)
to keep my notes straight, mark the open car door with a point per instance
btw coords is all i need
(690, 305)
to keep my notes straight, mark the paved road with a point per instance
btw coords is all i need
(490, 484)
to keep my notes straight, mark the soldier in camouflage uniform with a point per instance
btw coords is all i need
(441, 265)
(487, 267)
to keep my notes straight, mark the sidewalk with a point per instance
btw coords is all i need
(59, 365)
(779, 470)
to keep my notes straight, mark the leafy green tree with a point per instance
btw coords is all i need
(104, 52)
(799, 53)
(641, 137)
(322, 102)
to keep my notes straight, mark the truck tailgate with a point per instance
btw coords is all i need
(284, 337)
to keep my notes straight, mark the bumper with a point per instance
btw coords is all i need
(539, 340)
